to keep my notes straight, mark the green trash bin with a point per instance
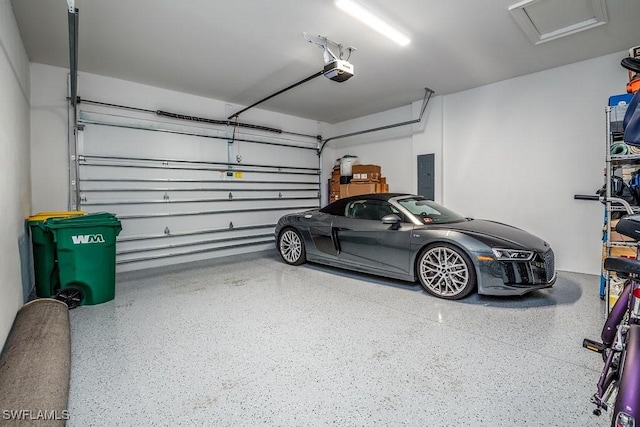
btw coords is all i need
(86, 254)
(44, 252)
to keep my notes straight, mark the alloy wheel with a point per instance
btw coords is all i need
(444, 272)
(291, 247)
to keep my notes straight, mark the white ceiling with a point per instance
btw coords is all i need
(241, 51)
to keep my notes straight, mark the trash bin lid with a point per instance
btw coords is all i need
(42, 216)
(88, 220)
(94, 216)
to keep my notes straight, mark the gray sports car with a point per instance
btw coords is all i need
(411, 238)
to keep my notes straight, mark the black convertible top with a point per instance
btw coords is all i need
(377, 196)
(337, 207)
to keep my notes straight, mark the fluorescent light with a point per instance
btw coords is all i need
(373, 21)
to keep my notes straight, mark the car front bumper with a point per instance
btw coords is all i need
(517, 277)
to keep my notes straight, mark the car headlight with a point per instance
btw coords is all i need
(512, 254)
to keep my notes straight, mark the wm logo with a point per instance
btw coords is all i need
(87, 239)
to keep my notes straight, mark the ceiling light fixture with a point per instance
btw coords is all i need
(368, 18)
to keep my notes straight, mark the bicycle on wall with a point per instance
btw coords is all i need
(619, 383)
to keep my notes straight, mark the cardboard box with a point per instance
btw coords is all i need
(617, 237)
(365, 168)
(366, 172)
(382, 188)
(344, 190)
(623, 252)
(347, 190)
(335, 176)
(356, 189)
(366, 178)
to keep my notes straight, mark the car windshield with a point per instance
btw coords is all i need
(430, 212)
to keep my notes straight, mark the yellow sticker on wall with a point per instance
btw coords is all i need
(238, 175)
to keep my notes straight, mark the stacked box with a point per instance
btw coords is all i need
(356, 189)
(366, 179)
(366, 173)
(622, 252)
(334, 184)
(382, 188)
(347, 190)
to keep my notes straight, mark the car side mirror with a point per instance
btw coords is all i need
(393, 220)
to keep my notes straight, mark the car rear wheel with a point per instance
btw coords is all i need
(446, 271)
(291, 247)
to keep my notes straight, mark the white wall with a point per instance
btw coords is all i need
(14, 163)
(394, 149)
(49, 151)
(518, 151)
(391, 148)
(515, 151)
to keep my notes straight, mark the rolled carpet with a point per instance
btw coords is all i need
(35, 366)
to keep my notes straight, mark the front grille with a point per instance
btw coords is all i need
(516, 273)
(549, 264)
(540, 270)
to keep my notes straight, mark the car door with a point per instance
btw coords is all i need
(363, 240)
(319, 226)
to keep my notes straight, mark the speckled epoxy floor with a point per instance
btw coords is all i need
(249, 340)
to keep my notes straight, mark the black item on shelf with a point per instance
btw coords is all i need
(631, 64)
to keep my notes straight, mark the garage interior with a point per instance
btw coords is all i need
(157, 124)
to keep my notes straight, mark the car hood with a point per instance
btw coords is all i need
(495, 234)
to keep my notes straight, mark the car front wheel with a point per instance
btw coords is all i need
(446, 271)
(291, 247)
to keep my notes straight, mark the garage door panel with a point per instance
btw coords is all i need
(111, 186)
(145, 226)
(162, 196)
(174, 243)
(185, 209)
(112, 141)
(131, 262)
(186, 192)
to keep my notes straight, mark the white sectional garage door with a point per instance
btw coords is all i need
(187, 190)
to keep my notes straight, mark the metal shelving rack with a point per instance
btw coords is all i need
(615, 162)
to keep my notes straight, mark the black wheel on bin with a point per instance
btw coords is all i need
(70, 296)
